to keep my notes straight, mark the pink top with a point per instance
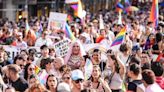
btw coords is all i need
(160, 81)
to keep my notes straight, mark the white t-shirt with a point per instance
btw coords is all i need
(106, 43)
(154, 88)
(40, 41)
(87, 36)
(22, 45)
(123, 58)
(111, 35)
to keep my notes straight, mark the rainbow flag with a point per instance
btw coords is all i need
(75, 7)
(42, 76)
(127, 3)
(119, 7)
(69, 33)
(37, 70)
(119, 37)
(154, 13)
(78, 11)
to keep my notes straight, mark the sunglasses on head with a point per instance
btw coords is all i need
(31, 69)
(79, 81)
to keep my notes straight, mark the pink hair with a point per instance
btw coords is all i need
(69, 53)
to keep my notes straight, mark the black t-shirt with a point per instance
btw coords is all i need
(20, 85)
(155, 47)
(132, 86)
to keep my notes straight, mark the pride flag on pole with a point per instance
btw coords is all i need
(42, 76)
(119, 37)
(78, 11)
(69, 33)
(154, 13)
(37, 69)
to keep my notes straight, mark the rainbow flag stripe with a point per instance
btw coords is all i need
(37, 70)
(69, 33)
(78, 11)
(43, 76)
(74, 6)
(154, 13)
(119, 37)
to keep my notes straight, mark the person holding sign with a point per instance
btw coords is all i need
(74, 56)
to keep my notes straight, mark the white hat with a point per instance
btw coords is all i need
(77, 74)
(63, 87)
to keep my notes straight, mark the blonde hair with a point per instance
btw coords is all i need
(37, 86)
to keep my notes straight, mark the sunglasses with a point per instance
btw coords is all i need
(21, 65)
(60, 33)
(78, 81)
(31, 69)
(64, 78)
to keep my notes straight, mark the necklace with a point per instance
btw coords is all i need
(75, 59)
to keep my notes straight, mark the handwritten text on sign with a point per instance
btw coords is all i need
(61, 48)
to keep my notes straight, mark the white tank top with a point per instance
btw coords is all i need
(116, 82)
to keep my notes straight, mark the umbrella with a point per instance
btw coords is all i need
(131, 8)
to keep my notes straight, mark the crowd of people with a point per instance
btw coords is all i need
(130, 68)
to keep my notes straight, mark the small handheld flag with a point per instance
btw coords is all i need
(119, 37)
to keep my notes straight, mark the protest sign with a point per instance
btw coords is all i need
(61, 47)
(57, 21)
(11, 50)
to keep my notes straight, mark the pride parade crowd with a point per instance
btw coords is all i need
(103, 54)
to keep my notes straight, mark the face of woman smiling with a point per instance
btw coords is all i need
(95, 72)
(52, 82)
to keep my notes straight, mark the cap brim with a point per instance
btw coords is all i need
(78, 79)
